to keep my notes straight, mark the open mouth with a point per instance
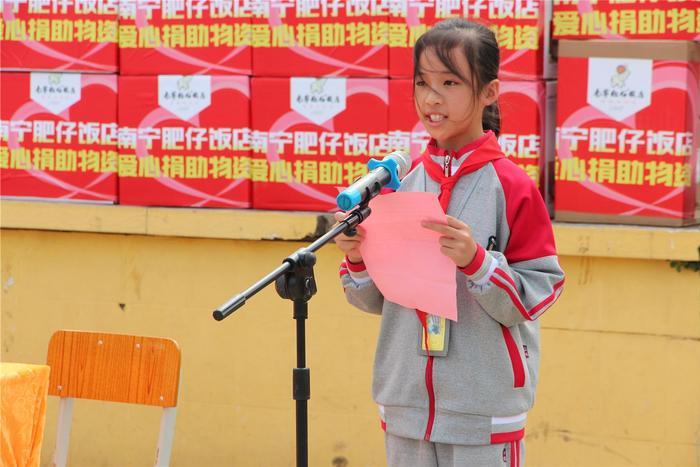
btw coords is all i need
(436, 118)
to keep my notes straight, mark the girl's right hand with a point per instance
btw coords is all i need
(350, 245)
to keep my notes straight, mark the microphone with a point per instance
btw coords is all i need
(384, 173)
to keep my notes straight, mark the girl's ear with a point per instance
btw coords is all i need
(491, 92)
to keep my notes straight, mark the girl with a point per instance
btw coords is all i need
(457, 393)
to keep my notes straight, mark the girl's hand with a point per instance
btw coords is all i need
(456, 242)
(350, 245)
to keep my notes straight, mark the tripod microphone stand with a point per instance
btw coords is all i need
(294, 280)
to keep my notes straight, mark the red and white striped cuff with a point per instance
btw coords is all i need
(357, 271)
(481, 268)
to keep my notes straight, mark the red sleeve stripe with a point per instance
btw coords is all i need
(552, 298)
(516, 300)
(505, 276)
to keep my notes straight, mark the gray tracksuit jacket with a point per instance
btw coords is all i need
(480, 391)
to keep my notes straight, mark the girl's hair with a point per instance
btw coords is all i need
(479, 46)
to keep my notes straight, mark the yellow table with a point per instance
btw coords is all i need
(23, 392)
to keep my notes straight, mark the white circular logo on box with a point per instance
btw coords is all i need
(619, 87)
(318, 99)
(55, 91)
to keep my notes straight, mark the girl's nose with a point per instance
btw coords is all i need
(432, 97)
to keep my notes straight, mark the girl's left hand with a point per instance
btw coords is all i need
(456, 241)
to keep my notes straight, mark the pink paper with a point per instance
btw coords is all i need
(404, 259)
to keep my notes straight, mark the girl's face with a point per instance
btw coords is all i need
(446, 103)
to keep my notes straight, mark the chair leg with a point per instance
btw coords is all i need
(165, 438)
(65, 418)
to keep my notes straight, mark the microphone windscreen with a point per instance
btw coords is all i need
(403, 161)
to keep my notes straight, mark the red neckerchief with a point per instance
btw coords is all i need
(485, 149)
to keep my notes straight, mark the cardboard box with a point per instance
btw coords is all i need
(184, 141)
(55, 143)
(184, 37)
(58, 35)
(347, 39)
(311, 137)
(528, 113)
(528, 109)
(627, 129)
(521, 27)
(629, 19)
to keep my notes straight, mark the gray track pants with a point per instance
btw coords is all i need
(404, 452)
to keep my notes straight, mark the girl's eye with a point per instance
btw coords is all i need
(449, 82)
(420, 83)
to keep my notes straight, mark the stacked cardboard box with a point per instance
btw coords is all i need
(627, 132)
(321, 38)
(626, 19)
(313, 136)
(319, 100)
(184, 140)
(55, 142)
(627, 118)
(184, 37)
(331, 87)
(521, 26)
(184, 103)
(59, 35)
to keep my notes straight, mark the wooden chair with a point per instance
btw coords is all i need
(117, 368)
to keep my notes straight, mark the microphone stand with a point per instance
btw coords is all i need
(294, 280)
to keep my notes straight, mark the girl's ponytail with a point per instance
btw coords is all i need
(491, 119)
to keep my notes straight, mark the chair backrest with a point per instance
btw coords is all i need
(114, 367)
(117, 368)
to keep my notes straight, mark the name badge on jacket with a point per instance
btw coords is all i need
(438, 336)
